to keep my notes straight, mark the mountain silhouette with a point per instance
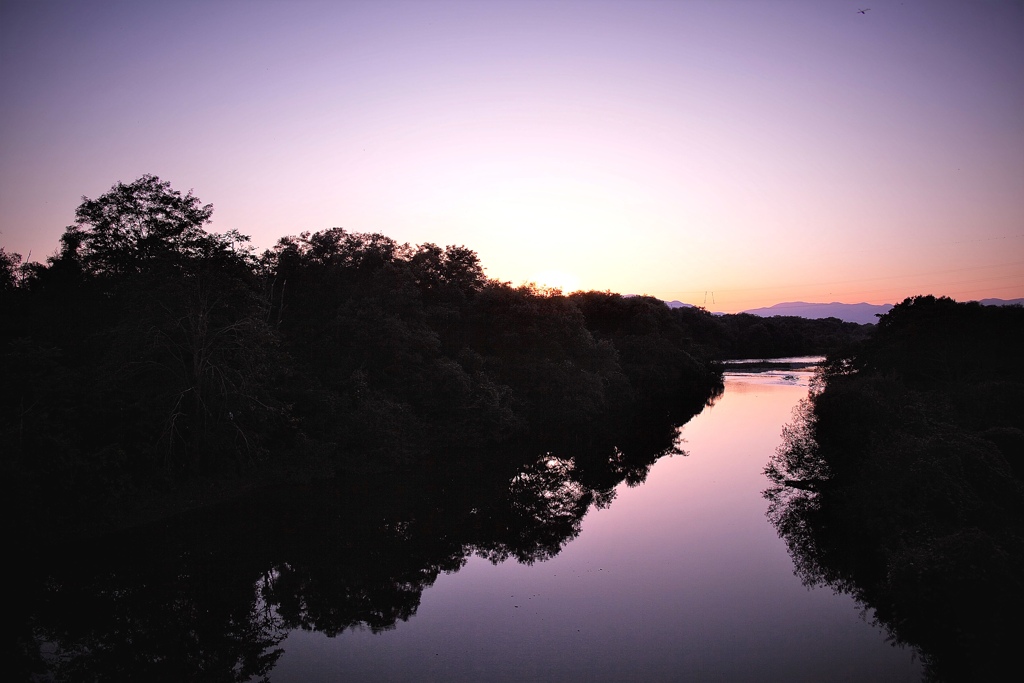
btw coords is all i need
(861, 313)
(854, 313)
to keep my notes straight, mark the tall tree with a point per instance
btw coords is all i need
(184, 338)
(129, 227)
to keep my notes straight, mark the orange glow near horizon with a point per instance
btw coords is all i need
(733, 155)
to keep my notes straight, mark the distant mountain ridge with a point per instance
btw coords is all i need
(1001, 302)
(853, 313)
(862, 313)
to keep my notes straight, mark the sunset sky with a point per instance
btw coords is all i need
(737, 154)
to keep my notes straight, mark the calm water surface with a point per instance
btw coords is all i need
(682, 578)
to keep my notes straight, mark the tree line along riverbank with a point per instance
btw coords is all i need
(900, 481)
(150, 361)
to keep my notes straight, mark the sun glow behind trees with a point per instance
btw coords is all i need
(763, 151)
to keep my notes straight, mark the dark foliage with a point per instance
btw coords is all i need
(150, 357)
(210, 594)
(154, 366)
(900, 481)
(743, 335)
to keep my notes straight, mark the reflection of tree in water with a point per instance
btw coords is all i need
(543, 510)
(173, 358)
(213, 595)
(884, 491)
(142, 611)
(351, 586)
(947, 587)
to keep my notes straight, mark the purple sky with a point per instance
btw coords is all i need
(762, 151)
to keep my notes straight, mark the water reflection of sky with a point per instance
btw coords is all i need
(801, 360)
(794, 372)
(749, 381)
(682, 578)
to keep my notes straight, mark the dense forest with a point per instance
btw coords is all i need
(151, 363)
(900, 481)
(153, 366)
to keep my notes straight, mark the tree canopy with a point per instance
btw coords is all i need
(135, 224)
(902, 481)
(149, 352)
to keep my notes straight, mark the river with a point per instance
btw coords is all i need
(477, 569)
(680, 578)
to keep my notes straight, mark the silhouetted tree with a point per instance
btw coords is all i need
(8, 270)
(128, 228)
(900, 481)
